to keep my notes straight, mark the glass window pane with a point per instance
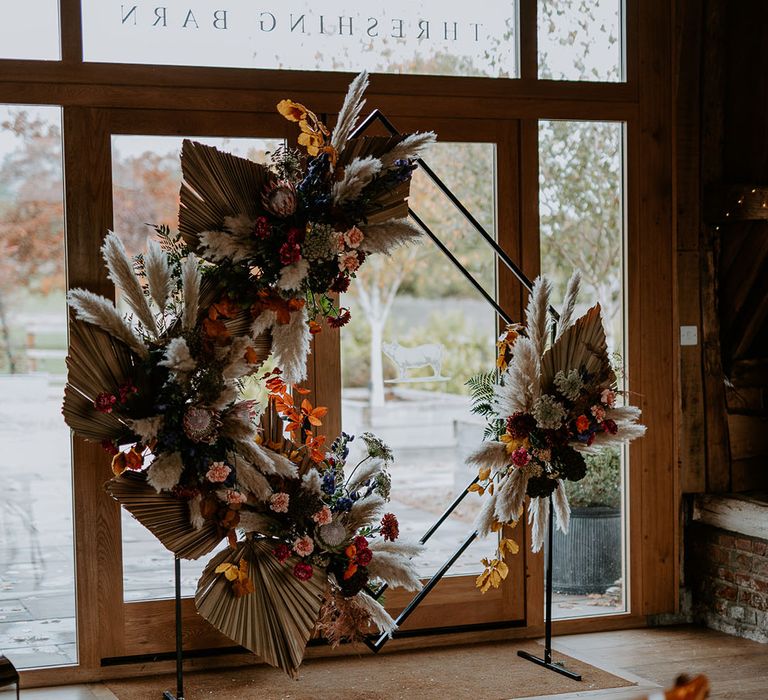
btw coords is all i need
(30, 29)
(582, 227)
(413, 36)
(37, 574)
(419, 330)
(581, 40)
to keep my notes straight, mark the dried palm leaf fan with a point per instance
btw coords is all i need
(216, 185)
(582, 345)
(276, 620)
(164, 515)
(97, 362)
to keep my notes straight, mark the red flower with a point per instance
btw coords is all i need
(340, 284)
(296, 235)
(582, 423)
(364, 557)
(290, 253)
(390, 528)
(520, 457)
(126, 391)
(610, 426)
(109, 447)
(303, 571)
(361, 543)
(262, 227)
(520, 425)
(282, 552)
(341, 320)
(105, 402)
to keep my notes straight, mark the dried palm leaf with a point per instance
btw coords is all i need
(166, 517)
(582, 346)
(276, 620)
(216, 185)
(97, 363)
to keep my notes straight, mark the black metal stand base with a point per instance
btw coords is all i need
(168, 695)
(548, 664)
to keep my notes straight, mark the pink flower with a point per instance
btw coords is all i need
(349, 262)
(304, 546)
(338, 242)
(354, 237)
(235, 497)
(599, 413)
(218, 472)
(608, 397)
(279, 502)
(520, 457)
(303, 571)
(323, 517)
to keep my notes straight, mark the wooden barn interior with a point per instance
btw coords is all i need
(677, 128)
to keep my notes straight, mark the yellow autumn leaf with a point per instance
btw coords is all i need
(484, 473)
(490, 489)
(496, 526)
(476, 487)
(502, 570)
(510, 545)
(230, 571)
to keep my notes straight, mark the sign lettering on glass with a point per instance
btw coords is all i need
(421, 36)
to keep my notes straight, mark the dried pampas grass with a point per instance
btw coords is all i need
(356, 177)
(190, 287)
(146, 428)
(100, 312)
(122, 274)
(177, 356)
(350, 111)
(252, 481)
(290, 347)
(536, 316)
(538, 515)
(164, 473)
(491, 454)
(562, 507)
(365, 510)
(410, 147)
(386, 236)
(511, 496)
(380, 618)
(569, 304)
(487, 515)
(159, 275)
(395, 569)
(364, 472)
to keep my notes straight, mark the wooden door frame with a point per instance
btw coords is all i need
(644, 102)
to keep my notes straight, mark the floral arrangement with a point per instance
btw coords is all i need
(160, 390)
(286, 236)
(547, 405)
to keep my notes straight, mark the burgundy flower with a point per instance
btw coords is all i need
(105, 402)
(282, 552)
(340, 284)
(109, 447)
(364, 557)
(296, 235)
(262, 228)
(610, 426)
(520, 425)
(520, 457)
(390, 528)
(290, 253)
(126, 391)
(360, 542)
(303, 571)
(341, 320)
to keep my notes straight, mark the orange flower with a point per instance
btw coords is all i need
(269, 301)
(350, 572)
(313, 415)
(314, 445)
(215, 329)
(292, 111)
(251, 356)
(351, 551)
(582, 423)
(314, 327)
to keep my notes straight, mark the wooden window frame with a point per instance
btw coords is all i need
(644, 102)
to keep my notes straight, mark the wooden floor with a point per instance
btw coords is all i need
(737, 668)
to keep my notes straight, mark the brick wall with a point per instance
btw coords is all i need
(727, 576)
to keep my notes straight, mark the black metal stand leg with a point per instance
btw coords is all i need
(547, 660)
(168, 695)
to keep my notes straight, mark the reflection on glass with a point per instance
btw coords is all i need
(146, 176)
(400, 36)
(37, 582)
(580, 40)
(30, 30)
(418, 332)
(581, 214)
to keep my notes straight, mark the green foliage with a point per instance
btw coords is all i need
(602, 484)
(481, 390)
